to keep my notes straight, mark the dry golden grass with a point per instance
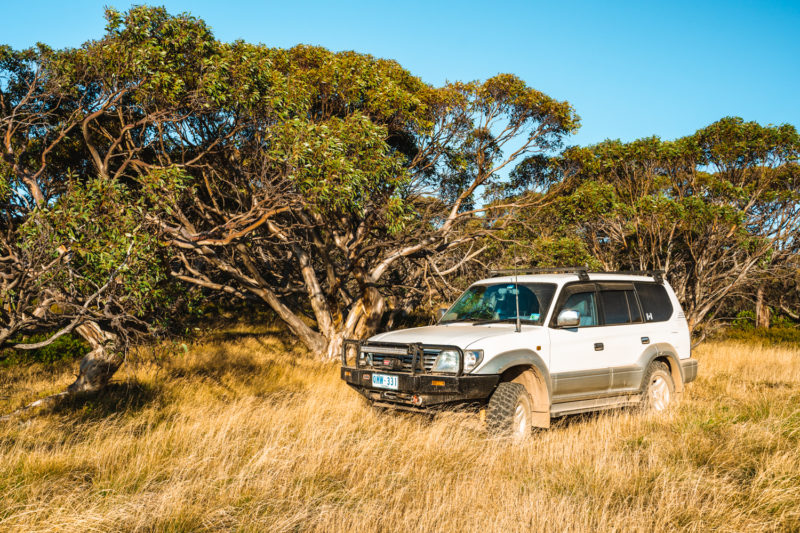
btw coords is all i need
(244, 433)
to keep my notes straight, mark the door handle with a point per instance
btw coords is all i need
(645, 340)
(598, 347)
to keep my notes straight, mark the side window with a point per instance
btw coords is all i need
(633, 306)
(615, 307)
(656, 305)
(584, 303)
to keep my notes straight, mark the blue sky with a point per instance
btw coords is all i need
(631, 69)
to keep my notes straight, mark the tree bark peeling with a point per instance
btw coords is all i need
(97, 366)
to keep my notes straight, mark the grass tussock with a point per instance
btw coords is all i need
(244, 433)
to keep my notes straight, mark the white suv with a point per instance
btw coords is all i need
(532, 345)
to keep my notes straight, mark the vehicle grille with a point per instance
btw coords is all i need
(428, 359)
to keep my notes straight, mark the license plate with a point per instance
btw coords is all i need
(383, 381)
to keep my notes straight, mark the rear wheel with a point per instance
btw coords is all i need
(659, 389)
(509, 412)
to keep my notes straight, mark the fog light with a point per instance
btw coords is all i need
(416, 400)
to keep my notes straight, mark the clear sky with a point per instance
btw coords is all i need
(631, 69)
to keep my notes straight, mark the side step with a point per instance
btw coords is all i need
(595, 404)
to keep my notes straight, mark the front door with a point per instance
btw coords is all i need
(577, 360)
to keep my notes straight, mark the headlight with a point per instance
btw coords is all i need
(446, 361)
(472, 358)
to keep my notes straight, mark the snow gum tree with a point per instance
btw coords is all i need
(317, 183)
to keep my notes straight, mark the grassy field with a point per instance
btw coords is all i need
(244, 433)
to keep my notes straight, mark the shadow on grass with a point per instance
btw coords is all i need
(284, 342)
(459, 413)
(584, 418)
(221, 362)
(471, 415)
(114, 399)
(231, 336)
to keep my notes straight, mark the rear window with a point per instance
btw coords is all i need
(655, 302)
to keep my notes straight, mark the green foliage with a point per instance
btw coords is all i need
(555, 252)
(589, 201)
(484, 117)
(707, 207)
(5, 182)
(101, 227)
(165, 55)
(65, 348)
(745, 321)
(343, 166)
(768, 336)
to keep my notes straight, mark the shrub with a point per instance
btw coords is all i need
(771, 336)
(65, 348)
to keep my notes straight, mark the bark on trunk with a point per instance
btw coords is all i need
(762, 311)
(312, 339)
(362, 321)
(334, 349)
(100, 363)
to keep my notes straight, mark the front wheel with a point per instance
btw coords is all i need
(509, 412)
(659, 388)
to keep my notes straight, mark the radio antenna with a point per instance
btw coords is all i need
(516, 294)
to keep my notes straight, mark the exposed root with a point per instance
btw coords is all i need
(46, 401)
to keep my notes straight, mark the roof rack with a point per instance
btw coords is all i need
(582, 272)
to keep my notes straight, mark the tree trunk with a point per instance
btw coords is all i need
(334, 349)
(96, 367)
(100, 363)
(362, 321)
(312, 339)
(762, 311)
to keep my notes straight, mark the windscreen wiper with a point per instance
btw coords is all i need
(466, 318)
(499, 320)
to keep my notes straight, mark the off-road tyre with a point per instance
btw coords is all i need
(509, 412)
(658, 388)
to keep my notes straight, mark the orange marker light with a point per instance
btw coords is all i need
(437, 383)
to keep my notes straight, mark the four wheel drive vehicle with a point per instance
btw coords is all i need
(529, 347)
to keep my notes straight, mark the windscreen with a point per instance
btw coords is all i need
(498, 303)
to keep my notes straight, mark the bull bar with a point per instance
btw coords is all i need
(415, 349)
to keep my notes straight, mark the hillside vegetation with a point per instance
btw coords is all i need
(243, 433)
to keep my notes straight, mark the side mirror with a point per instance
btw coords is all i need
(440, 313)
(568, 318)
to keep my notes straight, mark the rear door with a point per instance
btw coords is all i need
(624, 333)
(664, 317)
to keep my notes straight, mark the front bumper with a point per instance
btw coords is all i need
(422, 390)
